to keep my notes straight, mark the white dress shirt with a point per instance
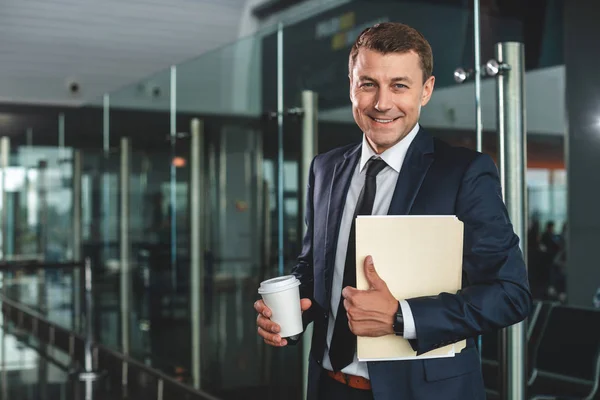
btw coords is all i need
(386, 183)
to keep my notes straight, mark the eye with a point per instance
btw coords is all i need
(400, 86)
(367, 84)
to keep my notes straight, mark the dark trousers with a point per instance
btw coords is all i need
(330, 389)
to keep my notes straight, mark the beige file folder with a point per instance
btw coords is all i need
(416, 256)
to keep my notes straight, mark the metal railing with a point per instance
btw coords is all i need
(98, 360)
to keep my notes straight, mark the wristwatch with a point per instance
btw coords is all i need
(398, 325)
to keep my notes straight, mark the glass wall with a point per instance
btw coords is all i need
(232, 225)
(37, 202)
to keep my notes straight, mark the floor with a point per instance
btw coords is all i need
(29, 371)
(235, 362)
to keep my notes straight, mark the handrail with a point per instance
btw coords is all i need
(156, 373)
(37, 264)
(161, 377)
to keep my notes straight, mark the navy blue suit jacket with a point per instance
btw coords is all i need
(435, 179)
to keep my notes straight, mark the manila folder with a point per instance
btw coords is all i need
(416, 256)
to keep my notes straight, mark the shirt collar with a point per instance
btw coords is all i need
(394, 156)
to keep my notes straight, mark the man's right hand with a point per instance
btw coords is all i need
(268, 329)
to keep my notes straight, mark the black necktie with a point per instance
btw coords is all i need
(343, 342)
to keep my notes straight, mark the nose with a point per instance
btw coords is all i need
(383, 101)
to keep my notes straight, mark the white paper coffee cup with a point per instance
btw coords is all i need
(282, 296)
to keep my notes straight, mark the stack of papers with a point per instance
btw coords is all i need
(416, 256)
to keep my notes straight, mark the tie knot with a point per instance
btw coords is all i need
(375, 166)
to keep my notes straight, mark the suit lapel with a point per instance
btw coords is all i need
(416, 164)
(340, 183)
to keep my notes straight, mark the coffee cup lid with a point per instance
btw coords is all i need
(278, 284)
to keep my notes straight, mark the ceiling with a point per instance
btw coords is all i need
(104, 45)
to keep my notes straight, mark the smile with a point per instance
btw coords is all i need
(384, 121)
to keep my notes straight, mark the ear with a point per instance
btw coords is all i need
(350, 86)
(427, 90)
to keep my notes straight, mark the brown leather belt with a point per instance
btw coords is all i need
(356, 382)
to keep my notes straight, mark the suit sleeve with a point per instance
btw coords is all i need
(495, 290)
(304, 266)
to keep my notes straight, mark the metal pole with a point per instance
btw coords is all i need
(77, 236)
(88, 374)
(43, 233)
(513, 151)
(280, 188)
(125, 245)
(43, 208)
(4, 154)
(89, 326)
(29, 137)
(197, 245)
(173, 183)
(61, 136)
(478, 121)
(3, 363)
(309, 151)
(106, 206)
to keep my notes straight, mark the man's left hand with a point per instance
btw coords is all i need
(370, 312)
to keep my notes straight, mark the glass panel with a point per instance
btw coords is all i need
(545, 178)
(140, 113)
(38, 186)
(222, 89)
(39, 213)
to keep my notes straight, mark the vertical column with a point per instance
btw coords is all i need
(173, 171)
(125, 245)
(105, 210)
(512, 151)
(77, 236)
(4, 386)
(42, 232)
(43, 208)
(280, 188)
(309, 151)
(4, 155)
(478, 119)
(197, 212)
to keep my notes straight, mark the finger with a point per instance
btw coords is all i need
(267, 325)
(274, 344)
(350, 326)
(347, 305)
(261, 308)
(305, 304)
(268, 336)
(349, 292)
(372, 276)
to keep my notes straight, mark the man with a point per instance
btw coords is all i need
(399, 169)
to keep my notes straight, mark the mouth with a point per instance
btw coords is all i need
(384, 121)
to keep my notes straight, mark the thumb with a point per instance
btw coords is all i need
(305, 304)
(372, 276)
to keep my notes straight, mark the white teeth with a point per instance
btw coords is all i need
(383, 121)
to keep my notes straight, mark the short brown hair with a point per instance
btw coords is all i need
(394, 37)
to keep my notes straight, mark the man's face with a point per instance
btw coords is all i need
(387, 93)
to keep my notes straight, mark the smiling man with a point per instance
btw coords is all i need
(400, 169)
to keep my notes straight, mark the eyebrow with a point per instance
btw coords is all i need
(396, 79)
